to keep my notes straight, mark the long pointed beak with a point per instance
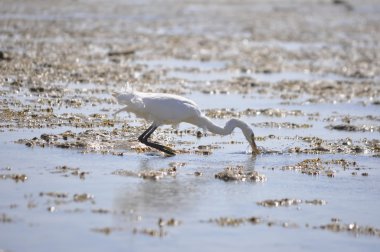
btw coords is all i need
(255, 150)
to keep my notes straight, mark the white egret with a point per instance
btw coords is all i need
(162, 109)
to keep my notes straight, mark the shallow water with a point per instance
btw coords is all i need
(134, 203)
(199, 50)
(186, 198)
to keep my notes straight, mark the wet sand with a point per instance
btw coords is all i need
(304, 74)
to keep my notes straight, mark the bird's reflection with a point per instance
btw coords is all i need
(250, 162)
(173, 195)
(168, 194)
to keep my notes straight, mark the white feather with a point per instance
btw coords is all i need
(171, 109)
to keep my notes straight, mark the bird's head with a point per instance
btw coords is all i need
(124, 99)
(250, 136)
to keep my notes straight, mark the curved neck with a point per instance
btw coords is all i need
(227, 129)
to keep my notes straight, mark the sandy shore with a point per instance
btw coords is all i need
(304, 74)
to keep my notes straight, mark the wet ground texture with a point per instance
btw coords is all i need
(304, 74)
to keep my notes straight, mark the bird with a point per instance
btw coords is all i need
(169, 109)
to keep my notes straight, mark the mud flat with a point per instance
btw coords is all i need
(304, 74)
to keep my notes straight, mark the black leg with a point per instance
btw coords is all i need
(159, 147)
(145, 135)
(143, 138)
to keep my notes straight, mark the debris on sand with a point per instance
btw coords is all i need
(227, 221)
(160, 231)
(66, 170)
(59, 198)
(125, 173)
(206, 149)
(156, 175)
(90, 140)
(234, 222)
(340, 146)
(121, 53)
(269, 112)
(284, 125)
(4, 56)
(171, 222)
(316, 202)
(281, 202)
(289, 202)
(101, 141)
(54, 194)
(238, 173)
(351, 228)
(51, 209)
(100, 211)
(83, 197)
(150, 232)
(353, 128)
(317, 166)
(14, 177)
(5, 218)
(175, 165)
(334, 226)
(149, 174)
(307, 166)
(106, 230)
(198, 173)
(373, 146)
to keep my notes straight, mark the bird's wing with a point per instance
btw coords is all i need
(138, 102)
(168, 109)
